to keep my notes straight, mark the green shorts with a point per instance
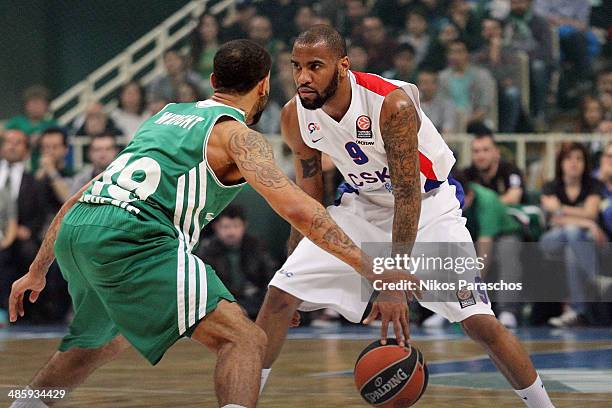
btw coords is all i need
(131, 277)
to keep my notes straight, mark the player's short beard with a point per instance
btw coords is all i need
(259, 109)
(322, 97)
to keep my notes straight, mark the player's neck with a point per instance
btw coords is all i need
(337, 106)
(242, 102)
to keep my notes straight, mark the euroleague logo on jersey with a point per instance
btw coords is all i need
(312, 127)
(364, 127)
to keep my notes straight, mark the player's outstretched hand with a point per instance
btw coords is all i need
(391, 306)
(30, 281)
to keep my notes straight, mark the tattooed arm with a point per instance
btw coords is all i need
(35, 279)
(400, 124)
(255, 160)
(307, 162)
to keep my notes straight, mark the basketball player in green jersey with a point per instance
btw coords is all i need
(124, 241)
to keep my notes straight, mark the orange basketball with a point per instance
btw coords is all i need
(391, 376)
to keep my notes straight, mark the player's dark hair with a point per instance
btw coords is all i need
(321, 33)
(239, 65)
(233, 211)
(54, 130)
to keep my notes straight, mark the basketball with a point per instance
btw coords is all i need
(391, 376)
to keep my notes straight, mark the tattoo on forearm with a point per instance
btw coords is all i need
(399, 133)
(311, 167)
(253, 153)
(325, 232)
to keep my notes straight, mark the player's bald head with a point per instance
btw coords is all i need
(323, 34)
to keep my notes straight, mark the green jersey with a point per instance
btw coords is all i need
(163, 175)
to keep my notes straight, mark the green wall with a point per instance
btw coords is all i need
(59, 42)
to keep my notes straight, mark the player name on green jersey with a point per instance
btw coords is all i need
(184, 121)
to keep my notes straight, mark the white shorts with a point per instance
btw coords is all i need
(322, 281)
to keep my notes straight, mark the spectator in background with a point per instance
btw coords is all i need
(404, 65)
(284, 13)
(303, 19)
(579, 46)
(460, 13)
(605, 176)
(204, 45)
(27, 193)
(380, 47)
(95, 122)
(591, 115)
(504, 65)
(471, 88)
(321, 19)
(529, 32)
(496, 235)
(572, 201)
(392, 12)
(358, 56)
(8, 233)
(283, 85)
(54, 174)
(604, 91)
(237, 24)
(489, 170)
(349, 19)
(415, 33)
(130, 113)
(155, 105)
(435, 10)
(438, 109)
(260, 31)
(435, 59)
(240, 260)
(37, 116)
(187, 92)
(101, 152)
(166, 86)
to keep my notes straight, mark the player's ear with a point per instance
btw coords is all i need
(264, 85)
(213, 81)
(343, 66)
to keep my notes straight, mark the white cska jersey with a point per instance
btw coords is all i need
(355, 144)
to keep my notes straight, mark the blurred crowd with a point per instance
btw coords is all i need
(481, 66)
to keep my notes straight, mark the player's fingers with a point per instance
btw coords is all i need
(397, 328)
(383, 330)
(405, 326)
(373, 314)
(13, 306)
(34, 296)
(20, 305)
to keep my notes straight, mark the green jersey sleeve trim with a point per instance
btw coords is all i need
(212, 173)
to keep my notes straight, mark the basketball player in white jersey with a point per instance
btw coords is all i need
(396, 166)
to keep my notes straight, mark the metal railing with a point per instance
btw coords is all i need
(542, 146)
(142, 59)
(545, 147)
